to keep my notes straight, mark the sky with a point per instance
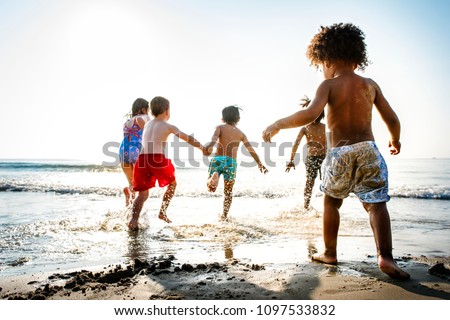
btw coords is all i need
(70, 70)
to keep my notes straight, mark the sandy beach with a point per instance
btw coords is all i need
(163, 278)
(75, 245)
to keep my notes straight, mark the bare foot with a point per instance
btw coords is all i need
(389, 267)
(133, 225)
(223, 218)
(163, 217)
(324, 259)
(128, 194)
(213, 181)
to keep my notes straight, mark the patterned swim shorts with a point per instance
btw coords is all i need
(223, 165)
(358, 168)
(313, 165)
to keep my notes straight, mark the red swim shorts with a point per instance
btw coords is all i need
(150, 168)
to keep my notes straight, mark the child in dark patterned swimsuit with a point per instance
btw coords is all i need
(315, 154)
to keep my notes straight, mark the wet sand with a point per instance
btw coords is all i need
(163, 278)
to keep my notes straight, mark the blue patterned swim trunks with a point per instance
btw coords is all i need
(358, 168)
(223, 165)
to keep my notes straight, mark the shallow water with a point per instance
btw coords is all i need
(61, 216)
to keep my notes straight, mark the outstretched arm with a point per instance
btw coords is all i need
(294, 149)
(302, 117)
(390, 118)
(189, 139)
(254, 155)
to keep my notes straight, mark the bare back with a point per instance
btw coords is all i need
(349, 111)
(315, 139)
(155, 136)
(229, 139)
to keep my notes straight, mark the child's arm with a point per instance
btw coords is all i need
(189, 139)
(254, 155)
(390, 118)
(302, 117)
(294, 149)
(210, 145)
(141, 121)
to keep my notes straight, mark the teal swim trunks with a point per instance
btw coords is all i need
(223, 165)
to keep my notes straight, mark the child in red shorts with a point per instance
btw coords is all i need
(152, 166)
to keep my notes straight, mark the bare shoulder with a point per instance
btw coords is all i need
(142, 120)
(326, 84)
(172, 128)
(379, 97)
(161, 126)
(241, 134)
(370, 82)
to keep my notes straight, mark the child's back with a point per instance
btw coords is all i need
(349, 112)
(229, 139)
(155, 136)
(315, 139)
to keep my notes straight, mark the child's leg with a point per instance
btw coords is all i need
(381, 227)
(308, 191)
(128, 171)
(331, 220)
(228, 197)
(138, 204)
(311, 175)
(213, 182)
(166, 201)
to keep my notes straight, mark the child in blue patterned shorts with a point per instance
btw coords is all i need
(224, 162)
(354, 163)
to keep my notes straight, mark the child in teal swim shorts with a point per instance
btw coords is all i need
(224, 161)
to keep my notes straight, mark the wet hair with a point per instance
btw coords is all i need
(138, 105)
(305, 103)
(339, 42)
(159, 105)
(320, 117)
(230, 115)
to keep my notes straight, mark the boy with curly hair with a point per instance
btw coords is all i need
(354, 163)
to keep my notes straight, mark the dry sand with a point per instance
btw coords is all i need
(163, 278)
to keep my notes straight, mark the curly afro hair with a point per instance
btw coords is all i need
(339, 42)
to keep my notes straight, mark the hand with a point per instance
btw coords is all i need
(269, 133)
(290, 165)
(204, 151)
(395, 146)
(305, 101)
(262, 168)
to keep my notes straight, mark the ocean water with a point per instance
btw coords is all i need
(60, 215)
